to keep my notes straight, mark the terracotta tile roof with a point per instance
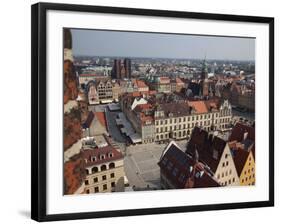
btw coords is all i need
(144, 118)
(136, 94)
(101, 117)
(177, 160)
(140, 83)
(206, 145)
(152, 92)
(179, 81)
(240, 157)
(175, 108)
(109, 153)
(182, 171)
(142, 107)
(213, 103)
(164, 80)
(205, 181)
(239, 130)
(199, 106)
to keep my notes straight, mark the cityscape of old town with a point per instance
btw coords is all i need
(153, 123)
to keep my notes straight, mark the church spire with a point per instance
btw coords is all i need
(204, 71)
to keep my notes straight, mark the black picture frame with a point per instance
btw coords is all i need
(39, 99)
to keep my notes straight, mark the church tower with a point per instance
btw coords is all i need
(204, 84)
(204, 71)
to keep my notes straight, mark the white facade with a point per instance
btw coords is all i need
(226, 173)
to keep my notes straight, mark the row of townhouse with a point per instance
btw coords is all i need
(209, 161)
(174, 120)
(107, 90)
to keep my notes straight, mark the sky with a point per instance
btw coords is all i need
(156, 45)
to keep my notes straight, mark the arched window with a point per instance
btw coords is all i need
(87, 171)
(103, 167)
(111, 165)
(110, 155)
(95, 169)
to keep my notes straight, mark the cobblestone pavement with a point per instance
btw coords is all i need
(140, 161)
(140, 164)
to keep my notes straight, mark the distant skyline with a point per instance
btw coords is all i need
(155, 45)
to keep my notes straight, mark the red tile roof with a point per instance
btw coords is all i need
(164, 80)
(142, 107)
(239, 130)
(144, 118)
(176, 159)
(109, 153)
(199, 106)
(140, 83)
(204, 106)
(204, 181)
(206, 144)
(102, 118)
(182, 170)
(240, 157)
(99, 115)
(179, 81)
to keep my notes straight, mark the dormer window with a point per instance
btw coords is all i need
(110, 155)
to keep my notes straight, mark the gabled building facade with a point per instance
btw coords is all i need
(215, 153)
(175, 119)
(242, 144)
(179, 170)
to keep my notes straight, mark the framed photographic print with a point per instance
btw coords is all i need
(139, 111)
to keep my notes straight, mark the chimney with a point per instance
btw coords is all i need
(215, 154)
(196, 156)
(245, 135)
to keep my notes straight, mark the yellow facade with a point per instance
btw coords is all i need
(247, 176)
